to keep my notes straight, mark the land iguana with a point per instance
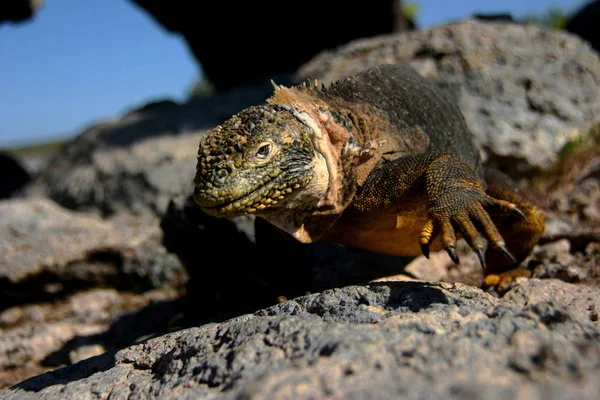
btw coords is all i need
(381, 160)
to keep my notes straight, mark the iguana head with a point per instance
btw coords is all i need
(260, 161)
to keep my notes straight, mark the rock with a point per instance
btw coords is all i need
(14, 175)
(249, 52)
(47, 251)
(17, 11)
(525, 91)
(414, 339)
(577, 206)
(439, 267)
(584, 23)
(137, 162)
(139, 177)
(581, 301)
(42, 336)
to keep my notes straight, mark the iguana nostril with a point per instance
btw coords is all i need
(221, 175)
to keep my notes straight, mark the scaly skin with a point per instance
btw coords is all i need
(380, 161)
(255, 167)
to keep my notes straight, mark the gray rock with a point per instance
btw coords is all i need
(581, 301)
(411, 339)
(41, 336)
(525, 91)
(46, 250)
(142, 176)
(554, 260)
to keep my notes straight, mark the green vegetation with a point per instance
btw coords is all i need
(49, 147)
(554, 18)
(411, 9)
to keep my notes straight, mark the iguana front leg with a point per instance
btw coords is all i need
(454, 197)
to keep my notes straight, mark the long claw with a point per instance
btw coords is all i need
(481, 256)
(425, 250)
(518, 212)
(505, 251)
(452, 253)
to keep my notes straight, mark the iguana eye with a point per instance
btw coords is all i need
(263, 151)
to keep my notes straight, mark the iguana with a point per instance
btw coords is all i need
(381, 160)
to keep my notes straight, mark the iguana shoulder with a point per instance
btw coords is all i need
(389, 111)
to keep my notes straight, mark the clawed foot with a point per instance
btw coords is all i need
(502, 282)
(467, 213)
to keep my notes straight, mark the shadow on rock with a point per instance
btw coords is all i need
(14, 175)
(71, 373)
(241, 265)
(416, 296)
(152, 320)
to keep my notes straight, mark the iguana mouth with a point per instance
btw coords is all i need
(261, 198)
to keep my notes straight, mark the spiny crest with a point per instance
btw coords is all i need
(307, 85)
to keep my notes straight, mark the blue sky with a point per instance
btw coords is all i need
(80, 61)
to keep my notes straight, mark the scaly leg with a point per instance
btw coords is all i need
(455, 204)
(457, 201)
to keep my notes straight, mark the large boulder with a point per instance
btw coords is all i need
(73, 285)
(42, 336)
(17, 11)
(250, 51)
(414, 339)
(47, 251)
(584, 23)
(525, 91)
(15, 175)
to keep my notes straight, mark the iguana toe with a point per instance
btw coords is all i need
(503, 207)
(465, 216)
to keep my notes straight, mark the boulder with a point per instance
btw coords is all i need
(525, 91)
(17, 11)
(413, 339)
(47, 251)
(250, 51)
(583, 23)
(42, 336)
(15, 175)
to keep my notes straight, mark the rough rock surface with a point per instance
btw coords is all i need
(42, 336)
(525, 92)
(46, 250)
(581, 301)
(409, 339)
(572, 189)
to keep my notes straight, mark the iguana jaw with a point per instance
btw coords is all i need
(232, 181)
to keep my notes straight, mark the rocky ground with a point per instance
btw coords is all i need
(114, 285)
